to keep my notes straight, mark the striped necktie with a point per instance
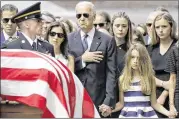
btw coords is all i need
(85, 43)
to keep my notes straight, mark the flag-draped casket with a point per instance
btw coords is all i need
(38, 80)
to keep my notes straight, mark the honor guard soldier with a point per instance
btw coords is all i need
(29, 22)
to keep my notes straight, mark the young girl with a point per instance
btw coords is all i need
(137, 96)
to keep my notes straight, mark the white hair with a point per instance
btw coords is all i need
(90, 4)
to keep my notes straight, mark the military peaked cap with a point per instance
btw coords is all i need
(28, 13)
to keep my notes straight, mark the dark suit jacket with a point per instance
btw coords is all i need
(99, 79)
(23, 43)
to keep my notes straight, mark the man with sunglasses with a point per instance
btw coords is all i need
(102, 21)
(8, 25)
(29, 22)
(95, 58)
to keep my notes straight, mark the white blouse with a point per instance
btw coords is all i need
(62, 59)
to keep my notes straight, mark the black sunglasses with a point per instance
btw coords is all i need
(60, 35)
(6, 20)
(86, 15)
(148, 24)
(99, 24)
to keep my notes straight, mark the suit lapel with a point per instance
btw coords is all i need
(41, 48)
(24, 43)
(77, 40)
(96, 41)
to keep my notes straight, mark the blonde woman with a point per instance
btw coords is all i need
(163, 39)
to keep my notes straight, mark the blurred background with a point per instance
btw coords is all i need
(137, 10)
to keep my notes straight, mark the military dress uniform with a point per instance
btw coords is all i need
(32, 12)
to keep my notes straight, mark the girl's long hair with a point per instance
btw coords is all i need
(145, 69)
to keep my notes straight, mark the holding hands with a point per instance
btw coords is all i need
(173, 112)
(105, 110)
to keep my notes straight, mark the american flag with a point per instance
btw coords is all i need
(41, 81)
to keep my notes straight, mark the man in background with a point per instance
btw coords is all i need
(8, 25)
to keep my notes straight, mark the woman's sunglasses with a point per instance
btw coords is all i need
(86, 15)
(6, 20)
(60, 35)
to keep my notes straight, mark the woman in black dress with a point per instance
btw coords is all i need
(163, 39)
(122, 31)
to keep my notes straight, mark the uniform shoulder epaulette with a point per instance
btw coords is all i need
(12, 39)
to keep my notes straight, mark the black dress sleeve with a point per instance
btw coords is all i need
(171, 62)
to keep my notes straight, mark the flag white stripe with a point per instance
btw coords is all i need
(55, 106)
(96, 114)
(79, 97)
(24, 88)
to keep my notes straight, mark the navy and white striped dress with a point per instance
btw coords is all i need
(137, 104)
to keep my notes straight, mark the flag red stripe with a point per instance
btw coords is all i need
(24, 74)
(47, 114)
(88, 107)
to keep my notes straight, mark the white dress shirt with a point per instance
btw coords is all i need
(62, 59)
(29, 39)
(89, 40)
